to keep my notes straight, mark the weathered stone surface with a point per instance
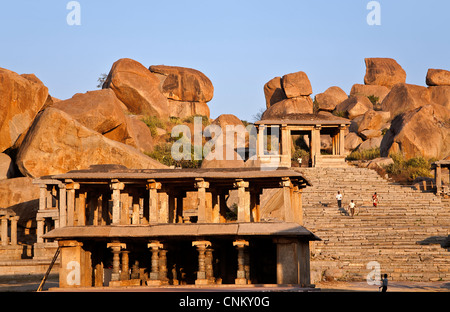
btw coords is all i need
(383, 72)
(422, 132)
(296, 84)
(21, 98)
(380, 162)
(299, 105)
(139, 134)
(98, 110)
(355, 106)
(137, 87)
(273, 91)
(373, 120)
(56, 143)
(185, 109)
(21, 196)
(6, 169)
(371, 143)
(367, 90)
(438, 77)
(440, 95)
(184, 84)
(370, 133)
(405, 97)
(329, 99)
(352, 141)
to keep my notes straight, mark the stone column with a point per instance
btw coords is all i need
(341, 140)
(135, 274)
(125, 266)
(285, 146)
(297, 205)
(153, 187)
(215, 202)
(154, 274)
(163, 207)
(261, 142)
(81, 209)
(116, 248)
(201, 186)
(241, 276)
(42, 197)
(62, 206)
(71, 188)
(209, 269)
(243, 213)
(116, 187)
(14, 221)
(40, 222)
(201, 273)
(4, 220)
(163, 267)
(135, 218)
(438, 178)
(287, 195)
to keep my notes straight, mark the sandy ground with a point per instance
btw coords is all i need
(392, 286)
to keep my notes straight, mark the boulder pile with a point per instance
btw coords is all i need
(385, 112)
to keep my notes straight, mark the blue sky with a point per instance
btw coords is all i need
(239, 45)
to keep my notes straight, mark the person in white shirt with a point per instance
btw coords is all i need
(339, 199)
(351, 206)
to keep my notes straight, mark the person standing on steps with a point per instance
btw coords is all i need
(384, 283)
(351, 207)
(375, 199)
(339, 199)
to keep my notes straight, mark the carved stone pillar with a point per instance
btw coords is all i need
(209, 266)
(243, 213)
(201, 272)
(154, 274)
(116, 248)
(201, 186)
(241, 276)
(116, 187)
(163, 267)
(153, 187)
(4, 232)
(14, 221)
(124, 275)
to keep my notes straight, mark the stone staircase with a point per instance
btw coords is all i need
(407, 234)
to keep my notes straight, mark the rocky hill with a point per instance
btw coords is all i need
(385, 112)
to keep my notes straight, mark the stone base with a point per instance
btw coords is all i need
(202, 281)
(44, 251)
(11, 252)
(240, 281)
(131, 282)
(153, 283)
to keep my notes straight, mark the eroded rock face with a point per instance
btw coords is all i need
(273, 91)
(137, 87)
(355, 106)
(184, 84)
(370, 90)
(299, 105)
(438, 77)
(21, 98)
(329, 99)
(383, 72)
(296, 85)
(57, 143)
(405, 97)
(424, 131)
